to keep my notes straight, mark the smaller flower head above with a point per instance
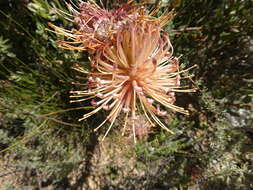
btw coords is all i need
(138, 68)
(97, 27)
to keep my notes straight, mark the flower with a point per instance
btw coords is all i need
(133, 70)
(98, 27)
(137, 68)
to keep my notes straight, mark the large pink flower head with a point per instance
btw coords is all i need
(138, 68)
(133, 70)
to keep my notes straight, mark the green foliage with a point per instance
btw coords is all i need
(35, 80)
(5, 49)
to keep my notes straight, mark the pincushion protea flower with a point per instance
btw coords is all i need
(97, 27)
(133, 69)
(138, 68)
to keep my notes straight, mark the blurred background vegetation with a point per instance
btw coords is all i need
(46, 148)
